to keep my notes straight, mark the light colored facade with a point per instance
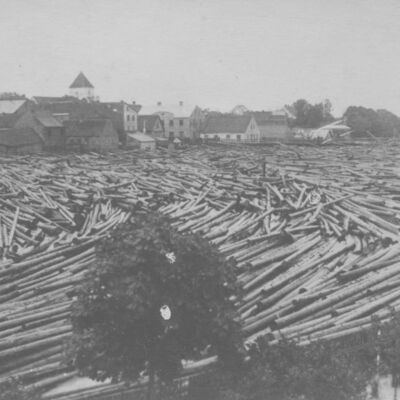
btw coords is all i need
(130, 113)
(124, 115)
(179, 120)
(81, 88)
(82, 93)
(231, 129)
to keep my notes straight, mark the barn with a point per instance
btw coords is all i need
(20, 141)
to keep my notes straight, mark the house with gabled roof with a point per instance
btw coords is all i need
(21, 121)
(81, 88)
(273, 126)
(231, 128)
(151, 125)
(48, 128)
(180, 120)
(124, 116)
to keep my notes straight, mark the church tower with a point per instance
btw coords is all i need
(82, 88)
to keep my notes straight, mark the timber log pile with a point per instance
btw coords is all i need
(313, 232)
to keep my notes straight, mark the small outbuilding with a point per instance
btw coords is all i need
(141, 141)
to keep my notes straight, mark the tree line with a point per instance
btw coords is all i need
(380, 123)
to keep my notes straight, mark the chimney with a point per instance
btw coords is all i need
(159, 103)
(181, 103)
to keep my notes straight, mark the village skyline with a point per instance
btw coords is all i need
(215, 54)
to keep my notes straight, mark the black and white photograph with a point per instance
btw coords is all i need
(199, 200)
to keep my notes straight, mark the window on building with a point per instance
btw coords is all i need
(128, 117)
(171, 123)
(171, 134)
(181, 122)
(238, 138)
(133, 118)
(228, 136)
(181, 134)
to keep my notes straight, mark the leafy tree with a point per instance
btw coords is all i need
(309, 115)
(145, 265)
(13, 389)
(379, 123)
(286, 371)
(385, 339)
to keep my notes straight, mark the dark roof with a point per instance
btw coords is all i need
(88, 128)
(136, 107)
(48, 121)
(81, 82)
(268, 118)
(8, 120)
(115, 106)
(150, 122)
(49, 99)
(261, 116)
(78, 109)
(227, 123)
(19, 137)
(118, 106)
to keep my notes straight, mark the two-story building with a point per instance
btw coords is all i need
(124, 117)
(179, 120)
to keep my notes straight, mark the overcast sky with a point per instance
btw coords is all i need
(215, 53)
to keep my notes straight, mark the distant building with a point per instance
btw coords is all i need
(19, 118)
(273, 125)
(231, 128)
(124, 117)
(91, 135)
(20, 141)
(180, 120)
(151, 125)
(141, 141)
(81, 88)
(72, 112)
(48, 128)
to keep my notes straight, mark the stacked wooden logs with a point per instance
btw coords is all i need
(314, 237)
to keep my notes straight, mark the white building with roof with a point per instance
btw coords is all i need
(180, 120)
(81, 88)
